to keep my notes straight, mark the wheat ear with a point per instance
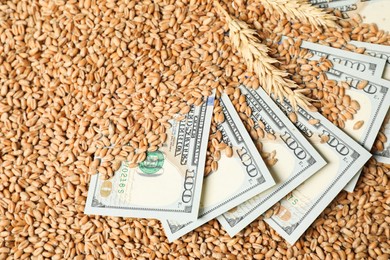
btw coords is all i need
(246, 41)
(301, 10)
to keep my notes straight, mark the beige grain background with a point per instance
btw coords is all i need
(78, 75)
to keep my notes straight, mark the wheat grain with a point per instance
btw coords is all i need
(358, 125)
(273, 80)
(333, 99)
(302, 11)
(60, 62)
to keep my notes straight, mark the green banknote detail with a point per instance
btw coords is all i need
(153, 163)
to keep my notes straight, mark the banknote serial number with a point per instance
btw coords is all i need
(123, 176)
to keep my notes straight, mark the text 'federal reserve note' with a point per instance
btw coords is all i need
(294, 159)
(238, 178)
(344, 157)
(168, 183)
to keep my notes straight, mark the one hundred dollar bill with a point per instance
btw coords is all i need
(378, 51)
(363, 63)
(384, 155)
(374, 100)
(345, 157)
(382, 52)
(358, 67)
(168, 183)
(296, 159)
(236, 180)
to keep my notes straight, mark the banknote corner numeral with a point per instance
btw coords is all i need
(384, 90)
(175, 227)
(290, 229)
(233, 221)
(97, 203)
(261, 179)
(311, 161)
(355, 155)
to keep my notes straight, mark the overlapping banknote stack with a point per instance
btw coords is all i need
(313, 159)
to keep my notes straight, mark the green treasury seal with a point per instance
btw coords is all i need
(153, 163)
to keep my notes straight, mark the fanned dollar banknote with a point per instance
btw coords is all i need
(236, 180)
(383, 155)
(374, 98)
(378, 51)
(345, 157)
(375, 101)
(363, 63)
(168, 183)
(366, 123)
(382, 52)
(296, 159)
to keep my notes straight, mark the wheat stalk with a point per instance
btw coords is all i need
(302, 11)
(246, 41)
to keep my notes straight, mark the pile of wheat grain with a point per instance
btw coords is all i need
(78, 76)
